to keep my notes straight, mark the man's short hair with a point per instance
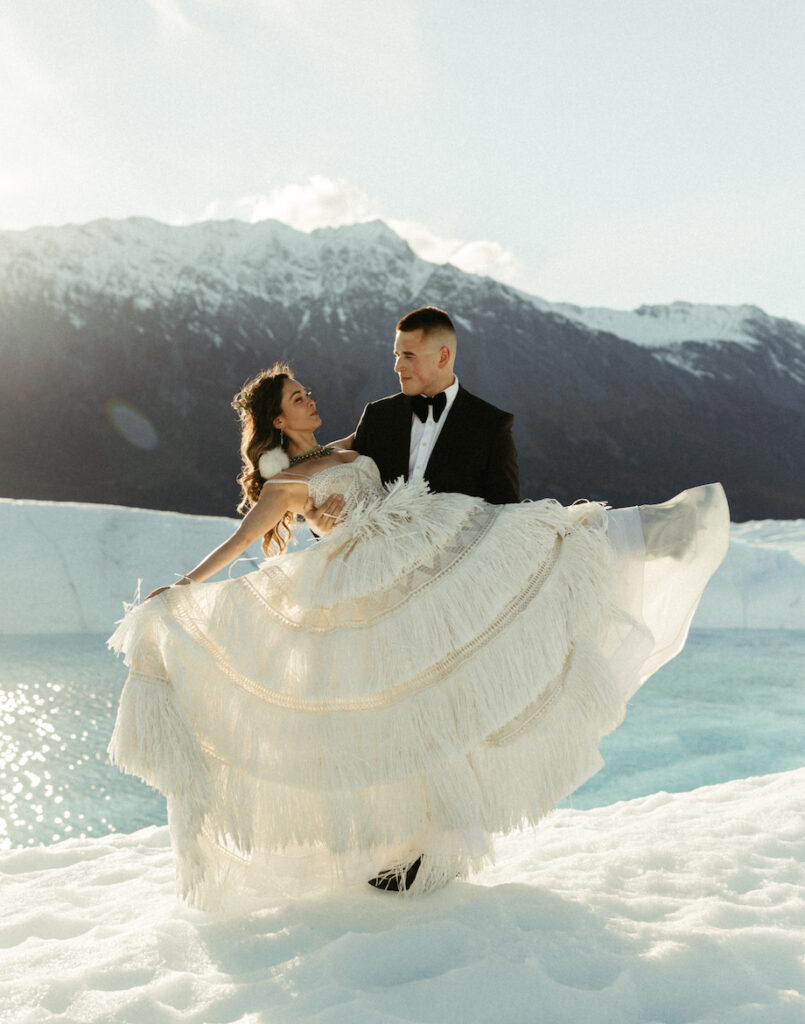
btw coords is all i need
(427, 319)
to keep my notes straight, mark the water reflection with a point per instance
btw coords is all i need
(730, 706)
(58, 697)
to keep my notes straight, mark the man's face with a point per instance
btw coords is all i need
(417, 363)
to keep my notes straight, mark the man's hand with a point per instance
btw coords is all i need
(321, 520)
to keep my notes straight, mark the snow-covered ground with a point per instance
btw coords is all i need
(663, 910)
(666, 909)
(761, 584)
(68, 568)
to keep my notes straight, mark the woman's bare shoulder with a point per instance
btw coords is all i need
(286, 490)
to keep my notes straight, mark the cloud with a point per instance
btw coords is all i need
(478, 257)
(326, 202)
(171, 19)
(37, 125)
(371, 41)
(320, 203)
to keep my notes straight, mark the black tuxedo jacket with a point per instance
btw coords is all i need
(474, 453)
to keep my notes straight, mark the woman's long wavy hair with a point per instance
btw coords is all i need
(258, 404)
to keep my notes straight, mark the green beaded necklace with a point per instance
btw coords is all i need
(314, 453)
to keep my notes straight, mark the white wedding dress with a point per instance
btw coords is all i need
(434, 671)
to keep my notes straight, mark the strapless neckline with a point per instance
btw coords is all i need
(336, 466)
(355, 480)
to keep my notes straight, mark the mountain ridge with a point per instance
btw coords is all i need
(168, 321)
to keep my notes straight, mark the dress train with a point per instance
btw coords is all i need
(435, 671)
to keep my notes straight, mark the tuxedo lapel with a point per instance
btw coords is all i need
(398, 441)
(474, 453)
(450, 442)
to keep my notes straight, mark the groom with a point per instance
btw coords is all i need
(435, 429)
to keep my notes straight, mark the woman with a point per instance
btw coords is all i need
(434, 670)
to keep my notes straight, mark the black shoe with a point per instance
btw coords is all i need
(397, 879)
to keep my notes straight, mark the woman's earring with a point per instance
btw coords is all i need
(282, 439)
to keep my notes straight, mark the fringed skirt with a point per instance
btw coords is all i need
(434, 671)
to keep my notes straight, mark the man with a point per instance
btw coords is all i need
(435, 429)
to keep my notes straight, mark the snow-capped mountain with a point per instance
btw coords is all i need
(661, 326)
(122, 342)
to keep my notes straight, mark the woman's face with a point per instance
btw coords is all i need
(298, 409)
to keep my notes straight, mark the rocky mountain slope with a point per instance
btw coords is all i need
(122, 343)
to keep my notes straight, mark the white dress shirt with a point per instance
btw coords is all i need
(424, 435)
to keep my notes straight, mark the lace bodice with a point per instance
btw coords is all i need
(355, 480)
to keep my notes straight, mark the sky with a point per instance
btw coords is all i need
(602, 152)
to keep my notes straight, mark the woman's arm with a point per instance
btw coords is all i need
(271, 506)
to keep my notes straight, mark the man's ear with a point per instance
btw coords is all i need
(444, 356)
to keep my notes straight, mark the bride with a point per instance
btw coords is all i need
(433, 670)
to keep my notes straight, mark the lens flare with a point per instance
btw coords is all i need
(131, 424)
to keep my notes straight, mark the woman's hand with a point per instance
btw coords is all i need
(266, 513)
(321, 520)
(183, 582)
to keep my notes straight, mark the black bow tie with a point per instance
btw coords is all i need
(420, 404)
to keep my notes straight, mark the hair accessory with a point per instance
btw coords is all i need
(272, 462)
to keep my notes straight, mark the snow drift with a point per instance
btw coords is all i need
(674, 909)
(68, 568)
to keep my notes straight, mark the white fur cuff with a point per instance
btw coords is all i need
(272, 462)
